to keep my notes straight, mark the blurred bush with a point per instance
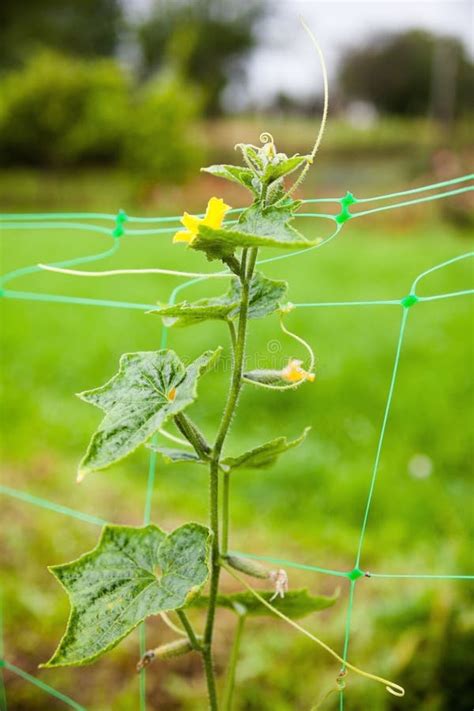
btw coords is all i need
(57, 111)
(158, 140)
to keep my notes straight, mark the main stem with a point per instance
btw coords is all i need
(234, 656)
(232, 398)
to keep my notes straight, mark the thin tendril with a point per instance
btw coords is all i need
(172, 625)
(390, 686)
(322, 127)
(290, 386)
(117, 272)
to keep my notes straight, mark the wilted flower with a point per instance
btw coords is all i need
(294, 373)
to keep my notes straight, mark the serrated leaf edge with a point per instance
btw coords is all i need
(189, 597)
(213, 356)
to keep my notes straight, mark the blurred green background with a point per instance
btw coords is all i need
(105, 106)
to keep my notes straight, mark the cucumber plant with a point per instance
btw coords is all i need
(136, 572)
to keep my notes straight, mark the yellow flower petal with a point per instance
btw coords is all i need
(184, 236)
(216, 209)
(190, 222)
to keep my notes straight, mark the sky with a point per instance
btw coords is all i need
(286, 60)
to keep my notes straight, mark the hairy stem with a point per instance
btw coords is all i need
(232, 398)
(225, 514)
(234, 656)
(189, 630)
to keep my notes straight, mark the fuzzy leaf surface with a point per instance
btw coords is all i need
(188, 314)
(170, 454)
(282, 165)
(265, 454)
(257, 227)
(150, 387)
(131, 574)
(234, 173)
(296, 603)
(264, 298)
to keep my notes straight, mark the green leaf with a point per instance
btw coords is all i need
(281, 165)
(176, 455)
(253, 155)
(265, 454)
(234, 173)
(257, 227)
(131, 574)
(264, 298)
(188, 314)
(296, 603)
(150, 387)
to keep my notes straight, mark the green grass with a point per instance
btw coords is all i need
(309, 507)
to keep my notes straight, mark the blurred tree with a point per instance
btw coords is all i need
(202, 39)
(83, 27)
(411, 73)
(60, 111)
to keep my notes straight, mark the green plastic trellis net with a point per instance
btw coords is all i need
(117, 227)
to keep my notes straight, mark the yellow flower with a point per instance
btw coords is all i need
(215, 211)
(294, 373)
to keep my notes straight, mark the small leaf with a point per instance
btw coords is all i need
(265, 454)
(264, 299)
(237, 174)
(176, 455)
(296, 603)
(150, 387)
(257, 227)
(188, 314)
(282, 165)
(131, 574)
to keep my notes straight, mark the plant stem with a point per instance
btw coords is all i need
(234, 655)
(225, 514)
(232, 398)
(210, 678)
(189, 630)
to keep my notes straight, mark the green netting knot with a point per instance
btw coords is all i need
(409, 300)
(1, 293)
(119, 229)
(355, 574)
(346, 202)
(2, 663)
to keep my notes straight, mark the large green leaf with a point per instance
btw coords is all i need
(131, 574)
(150, 387)
(265, 454)
(257, 227)
(295, 604)
(264, 298)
